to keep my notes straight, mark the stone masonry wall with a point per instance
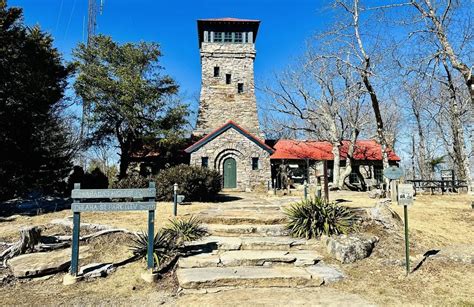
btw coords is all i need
(233, 144)
(221, 102)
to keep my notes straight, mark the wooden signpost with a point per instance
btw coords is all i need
(110, 200)
(405, 199)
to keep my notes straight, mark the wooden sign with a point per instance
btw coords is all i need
(393, 172)
(113, 206)
(112, 200)
(405, 194)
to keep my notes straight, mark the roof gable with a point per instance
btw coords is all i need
(229, 125)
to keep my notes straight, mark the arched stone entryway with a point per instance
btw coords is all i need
(230, 173)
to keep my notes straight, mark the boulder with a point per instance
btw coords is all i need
(94, 270)
(350, 248)
(376, 193)
(383, 215)
(40, 264)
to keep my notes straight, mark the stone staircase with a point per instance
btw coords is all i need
(250, 247)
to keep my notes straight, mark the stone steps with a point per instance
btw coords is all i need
(283, 243)
(251, 258)
(246, 230)
(255, 219)
(212, 277)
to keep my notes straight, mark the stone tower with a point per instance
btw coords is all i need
(227, 49)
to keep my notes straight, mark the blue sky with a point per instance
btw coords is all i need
(285, 25)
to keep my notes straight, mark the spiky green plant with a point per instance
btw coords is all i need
(313, 217)
(163, 246)
(183, 230)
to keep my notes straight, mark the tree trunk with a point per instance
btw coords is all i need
(349, 158)
(337, 161)
(29, 238)
(459, 148)
(422, 161)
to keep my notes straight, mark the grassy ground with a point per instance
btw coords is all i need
(434, 221)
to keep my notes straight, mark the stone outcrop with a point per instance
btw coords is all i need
(39, 264)
(349, 248)
(383, 215)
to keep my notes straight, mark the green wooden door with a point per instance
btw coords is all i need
(230, 173)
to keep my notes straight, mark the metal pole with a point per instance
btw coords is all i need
(75, 243)
(407, 244)
(175, 199)
(151, 239)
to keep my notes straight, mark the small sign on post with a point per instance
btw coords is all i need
(405, 199)
(393, 173)
(175, 199)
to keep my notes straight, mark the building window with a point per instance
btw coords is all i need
(378, 175)
(218, 36)
(204, 162)
(353, 178)
(254, 164)
(227, 37)
(228, 78)
(238, 37)
(216, 71)
(240, 88)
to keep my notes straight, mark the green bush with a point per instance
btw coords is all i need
(169, 241)
(185, 230)
(163, 247)
(132, 182)
(195, 183)
(313, 217)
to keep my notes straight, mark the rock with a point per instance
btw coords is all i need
(246, 229)
(199, 261)
(246, 277)
(376, 193)
(255, 258)
(40, 264)
(383, 215)
(325, 272)
(94, 270)
(350, 248)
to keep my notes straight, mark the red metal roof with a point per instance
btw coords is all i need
(222, 129)
(230, 19)
(318, 150)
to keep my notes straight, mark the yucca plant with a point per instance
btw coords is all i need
(313, 217)
(185, 230)
(163, 246)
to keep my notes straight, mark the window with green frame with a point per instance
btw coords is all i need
(378, 174)
(218, 36)
(227, 37)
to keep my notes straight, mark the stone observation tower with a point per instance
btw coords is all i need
(229, 137)
(227, 49)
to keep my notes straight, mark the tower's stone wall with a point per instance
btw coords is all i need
(221, 102)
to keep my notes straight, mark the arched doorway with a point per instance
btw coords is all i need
(230, 173)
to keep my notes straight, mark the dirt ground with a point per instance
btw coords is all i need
(434, 221)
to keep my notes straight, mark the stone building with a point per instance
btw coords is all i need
(228, 131)
(227, 119)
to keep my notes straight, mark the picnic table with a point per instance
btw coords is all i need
(441, 185)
